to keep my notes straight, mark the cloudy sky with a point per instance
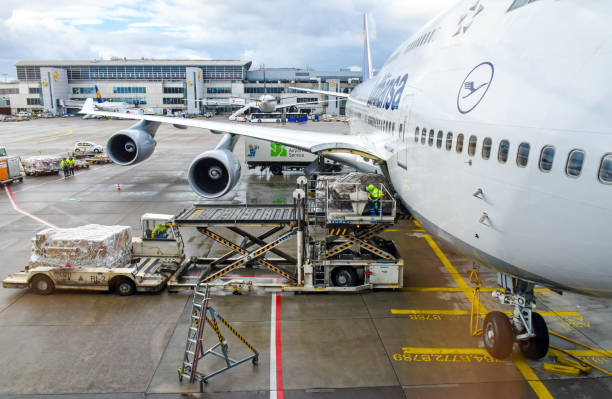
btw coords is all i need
(322, 34)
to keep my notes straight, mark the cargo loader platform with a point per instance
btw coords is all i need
(338, 247)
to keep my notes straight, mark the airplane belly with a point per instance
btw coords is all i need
(513, 229)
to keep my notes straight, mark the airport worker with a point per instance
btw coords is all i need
(71, 163)
(374, 195)
(64, 165)
(159, 231)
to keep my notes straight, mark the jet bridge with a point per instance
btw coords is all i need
(327, 240)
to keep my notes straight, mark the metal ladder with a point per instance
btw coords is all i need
(319, 275)
(195, 338)
(195, 333)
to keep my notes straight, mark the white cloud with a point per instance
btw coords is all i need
(320, 33)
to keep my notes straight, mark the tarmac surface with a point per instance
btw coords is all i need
(413, 342)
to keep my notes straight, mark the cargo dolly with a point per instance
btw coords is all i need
(337, 246)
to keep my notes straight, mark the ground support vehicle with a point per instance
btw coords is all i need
(278, 157)
(10, 168)
(99, 160)
(152, 263)
(338, 248)
(87, 147)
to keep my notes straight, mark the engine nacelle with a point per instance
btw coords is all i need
(214, 173)
(132, 145)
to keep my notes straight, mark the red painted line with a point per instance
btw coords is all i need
(28, 214)
(279, 358)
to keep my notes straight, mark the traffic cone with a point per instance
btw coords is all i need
(118, 188)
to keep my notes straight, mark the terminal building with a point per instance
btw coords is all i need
(168, 86)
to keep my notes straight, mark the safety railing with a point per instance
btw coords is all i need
(349, 201)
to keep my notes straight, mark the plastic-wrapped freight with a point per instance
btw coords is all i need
(340, 187)
(91, 245)
(42, 164)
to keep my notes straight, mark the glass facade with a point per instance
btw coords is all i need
(34, 90)
(33, 101)
(10, 91)
(174, 90)
(83, 90)
(260, 90)
(218, 90)
(129, 90)
(180, 101)
(135, 72)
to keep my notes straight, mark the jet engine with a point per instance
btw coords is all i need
(134, 144)
(214, 173)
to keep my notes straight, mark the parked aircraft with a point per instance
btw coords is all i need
(492, 123)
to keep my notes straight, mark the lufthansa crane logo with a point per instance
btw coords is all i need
(55, 76)
(474, 87)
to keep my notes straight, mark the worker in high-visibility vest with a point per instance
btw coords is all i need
(374, 195)
(64, 165)
(71, 163)
(160, 231)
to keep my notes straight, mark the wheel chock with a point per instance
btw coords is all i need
(568, 362)
(558, 369)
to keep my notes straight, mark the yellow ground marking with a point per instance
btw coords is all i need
(459, 312)
(532, 379)
(391, 230)
(457, 289)
(40, 138)
(417, 231)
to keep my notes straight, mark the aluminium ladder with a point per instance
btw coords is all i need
(195, 339)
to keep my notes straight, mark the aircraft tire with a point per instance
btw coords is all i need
(497, 335)
(536, 347)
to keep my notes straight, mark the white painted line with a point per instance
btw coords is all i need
(28, 214)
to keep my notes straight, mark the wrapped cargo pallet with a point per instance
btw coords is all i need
(91, 245)
(41, 164)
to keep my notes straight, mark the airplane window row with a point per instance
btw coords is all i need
(573, 166)
(421, 40)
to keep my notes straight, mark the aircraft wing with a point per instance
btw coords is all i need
(328, 93)
(312, 141)
(298, 104)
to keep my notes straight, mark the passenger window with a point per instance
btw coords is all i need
(546, 158)
(423, 135)
(504, 149)
(431, 136)
(522, 155)
(472, 145)
(486, 148)
(605, 169)
(574, 163)
(416, 135)
(459, 146)
(449, 141)
(439, 139)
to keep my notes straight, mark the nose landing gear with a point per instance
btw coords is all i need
(528, 328)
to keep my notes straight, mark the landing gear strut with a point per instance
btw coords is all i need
(528, 328)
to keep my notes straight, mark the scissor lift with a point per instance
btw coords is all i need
(338, 247)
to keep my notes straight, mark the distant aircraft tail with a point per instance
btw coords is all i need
(98, 96)
(367, 55)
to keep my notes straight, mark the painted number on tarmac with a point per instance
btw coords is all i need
(448, 358)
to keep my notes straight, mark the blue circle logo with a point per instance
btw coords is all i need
(474, 87)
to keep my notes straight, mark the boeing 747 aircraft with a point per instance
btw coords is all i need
(493, 124)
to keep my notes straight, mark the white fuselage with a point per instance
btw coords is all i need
(538, 74)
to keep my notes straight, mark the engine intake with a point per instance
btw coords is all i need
(132, 145)
(214, 173)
